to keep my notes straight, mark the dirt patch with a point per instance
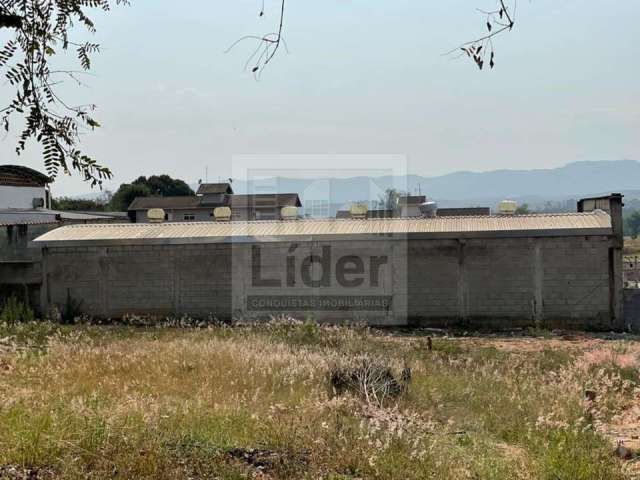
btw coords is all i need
(519, 340)
(556, 340)
(18, 472)
(266, 460)
(532, 344)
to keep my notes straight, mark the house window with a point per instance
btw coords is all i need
(189, 216)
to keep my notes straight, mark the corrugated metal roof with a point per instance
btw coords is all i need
(104, 214)
(43, 216)
(27, 217)
(595, 223)
(77, 215)
(6, 222)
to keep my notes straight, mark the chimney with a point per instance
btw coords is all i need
(612, 204)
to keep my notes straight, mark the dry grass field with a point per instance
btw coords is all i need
(267, 402)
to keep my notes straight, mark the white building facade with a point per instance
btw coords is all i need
(23, 188)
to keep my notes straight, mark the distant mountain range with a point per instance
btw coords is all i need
(552, 189)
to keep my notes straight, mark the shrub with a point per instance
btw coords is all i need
(15, 311)
(72, 309)
(369, 378)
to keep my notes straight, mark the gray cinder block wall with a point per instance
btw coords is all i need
(489, 282)
(554, 282)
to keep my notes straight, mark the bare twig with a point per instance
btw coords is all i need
(267, 45)
(477, 50)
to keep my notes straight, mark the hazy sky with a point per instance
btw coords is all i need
(362, 78)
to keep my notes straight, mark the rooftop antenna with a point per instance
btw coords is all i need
(419, 190)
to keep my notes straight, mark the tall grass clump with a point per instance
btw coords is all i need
(14, 311)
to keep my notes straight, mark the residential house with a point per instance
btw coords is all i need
(200, 208)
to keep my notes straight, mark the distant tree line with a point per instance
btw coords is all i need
(153, 186)
(631, 225)
(100, 204)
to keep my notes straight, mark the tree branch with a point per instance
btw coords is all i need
(478, 49)
(267, 45)
(10, 21)
(42, 27)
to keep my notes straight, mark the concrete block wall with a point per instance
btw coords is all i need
(499, 280)
(381, 276)
(632, 309)
(141, 279)
(555, 282)
(491, 282)
(577, 282)
(433, 280)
